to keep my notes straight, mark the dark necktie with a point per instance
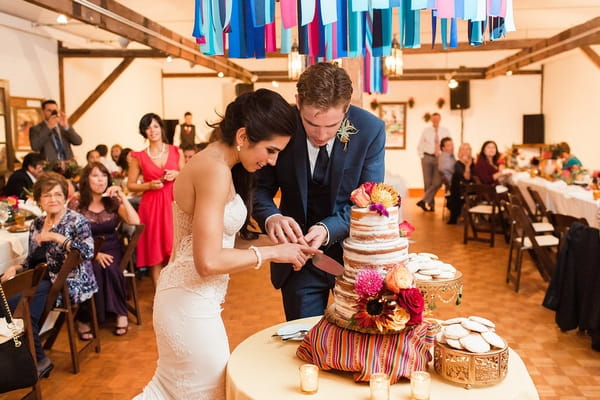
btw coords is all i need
(60, 152)
(321, 165)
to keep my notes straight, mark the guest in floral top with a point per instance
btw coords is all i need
(105, 207)
(51, 237)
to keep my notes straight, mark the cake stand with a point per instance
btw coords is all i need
(444, 290)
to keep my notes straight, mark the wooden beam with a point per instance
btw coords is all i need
(87, 103)
(125, 22)
(579, 35)
(592, 55)
(189, 75)
(110, 53)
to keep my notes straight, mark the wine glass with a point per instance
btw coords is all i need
(4, 214)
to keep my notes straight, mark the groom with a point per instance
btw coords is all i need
(336, 148)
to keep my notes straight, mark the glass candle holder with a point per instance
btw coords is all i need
(380, 386)
(309, 378)
(420, 385)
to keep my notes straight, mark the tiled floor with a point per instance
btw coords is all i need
(562, 365)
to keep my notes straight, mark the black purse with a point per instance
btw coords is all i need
(17, 369)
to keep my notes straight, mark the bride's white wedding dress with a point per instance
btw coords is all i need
(193, 348)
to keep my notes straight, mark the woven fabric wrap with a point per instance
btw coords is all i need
(330, 347)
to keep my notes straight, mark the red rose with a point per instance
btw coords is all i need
(368, 186)
(412, 301)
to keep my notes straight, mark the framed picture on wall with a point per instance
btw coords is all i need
(394, 117)
(25, 118)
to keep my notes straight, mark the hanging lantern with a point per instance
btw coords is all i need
(296, 63)
(394, 63)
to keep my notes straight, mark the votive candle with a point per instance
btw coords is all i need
(309, 378)
(380, 386)
(420, 385)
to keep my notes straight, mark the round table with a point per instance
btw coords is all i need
(13, 248)
(264, 367)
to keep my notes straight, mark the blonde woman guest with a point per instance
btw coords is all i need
(462, 176)
(159, 164)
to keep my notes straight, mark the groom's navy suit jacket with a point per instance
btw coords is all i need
(361, 161)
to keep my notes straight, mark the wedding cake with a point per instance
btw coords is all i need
(374, 323)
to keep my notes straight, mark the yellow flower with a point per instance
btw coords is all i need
(385, 195)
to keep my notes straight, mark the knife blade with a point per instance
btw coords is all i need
(327, 264)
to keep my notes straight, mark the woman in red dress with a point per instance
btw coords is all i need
(159, 165)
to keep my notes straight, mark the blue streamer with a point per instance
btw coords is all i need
(236, 35)
(417, 4)
(433, 27)
(476, 35)
(355, 33)
(453, 33)
(302, 33)
(197, 31)
(459, 9)
(328, 39)
(342, 28)
(444, 29)
(286, 40)
(360, 5)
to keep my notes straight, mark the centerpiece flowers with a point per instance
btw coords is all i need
(387, 301)
(376, 196)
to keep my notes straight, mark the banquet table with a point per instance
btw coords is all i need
(561, 198)
(265, 367)
(13, 248)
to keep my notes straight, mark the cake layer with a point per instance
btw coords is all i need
(367, 225)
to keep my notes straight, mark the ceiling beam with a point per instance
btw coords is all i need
(87, 103)
(579, 35)
(110, 53)
(125, 22)
(592, 55)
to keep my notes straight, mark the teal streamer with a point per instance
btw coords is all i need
(444, 31)
(286, 40)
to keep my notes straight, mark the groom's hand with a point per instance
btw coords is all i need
(282, 229)
(316, 236)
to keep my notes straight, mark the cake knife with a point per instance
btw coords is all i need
(327, 264)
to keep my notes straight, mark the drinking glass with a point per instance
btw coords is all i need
(4, 214)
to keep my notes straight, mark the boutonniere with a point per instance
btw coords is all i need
(346, 129)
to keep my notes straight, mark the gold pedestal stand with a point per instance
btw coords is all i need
(444, 290)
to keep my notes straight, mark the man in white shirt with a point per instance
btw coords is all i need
(110, 165)
(429, 151)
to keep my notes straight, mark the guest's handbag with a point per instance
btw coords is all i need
(17, 369)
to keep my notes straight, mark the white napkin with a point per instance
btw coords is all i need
(30, 206)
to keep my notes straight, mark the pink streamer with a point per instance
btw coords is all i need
(270, 37)
(445, 8)
(334, 49)
(313, 36)
(289, 13)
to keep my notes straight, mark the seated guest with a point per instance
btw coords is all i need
(188, 152)
(487, 168)
(115, 152)
(21, 181)
(92, 156)
(110, 165)
(569, 160)
(105, 207)
(51, 237)
(462, 176)
(446, 161)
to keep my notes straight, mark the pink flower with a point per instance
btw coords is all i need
(368, 283)
(406, 228)
(379, 208)
(360, 197)
(369, 187)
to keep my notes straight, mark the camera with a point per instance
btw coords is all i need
(54, 112)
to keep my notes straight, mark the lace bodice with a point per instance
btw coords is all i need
(181, 271)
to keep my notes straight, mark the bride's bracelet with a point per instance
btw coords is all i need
(258, 256)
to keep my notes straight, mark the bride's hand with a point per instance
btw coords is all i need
(295, 254)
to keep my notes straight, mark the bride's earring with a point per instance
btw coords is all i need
(238, 147)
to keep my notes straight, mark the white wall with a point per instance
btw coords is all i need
(572, 105)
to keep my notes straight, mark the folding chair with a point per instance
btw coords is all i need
(562, 223)
(482, 213)
(523, 238)
(540, 208)
(67, 312)
(130, 234)
(539, 226)
(26, 284)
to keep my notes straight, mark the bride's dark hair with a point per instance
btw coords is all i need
(264, 114)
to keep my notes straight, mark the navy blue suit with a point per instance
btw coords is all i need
(305, 293)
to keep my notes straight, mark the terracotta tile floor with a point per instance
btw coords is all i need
(562, 365)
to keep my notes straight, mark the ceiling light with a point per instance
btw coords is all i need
(509, 73)
(62, 19)
(123, 42)
(452, 83)
(275, 84)
(296, 63)
(220, 74)
(393, 64)
(169, 59)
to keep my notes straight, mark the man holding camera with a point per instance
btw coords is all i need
(53, 136)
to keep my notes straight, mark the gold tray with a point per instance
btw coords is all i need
(445, 290)
(17, 228)
(470, 369)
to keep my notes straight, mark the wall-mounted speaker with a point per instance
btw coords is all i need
(459, 96)
(242, 88)
(533, 128)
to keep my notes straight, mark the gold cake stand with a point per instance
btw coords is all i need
(444, 290)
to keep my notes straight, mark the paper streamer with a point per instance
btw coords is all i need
(289, 16)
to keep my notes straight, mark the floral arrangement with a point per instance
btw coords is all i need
(440, 102)
(411, 102)
(345, 130)
(12, 201)
(552, 152)
(426, 117)
(387, 301)
(510, 157)
(377, 196)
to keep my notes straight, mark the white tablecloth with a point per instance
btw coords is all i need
(13, 248)
(561, 198)
(263, 367)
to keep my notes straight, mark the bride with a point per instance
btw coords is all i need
(212, 202)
